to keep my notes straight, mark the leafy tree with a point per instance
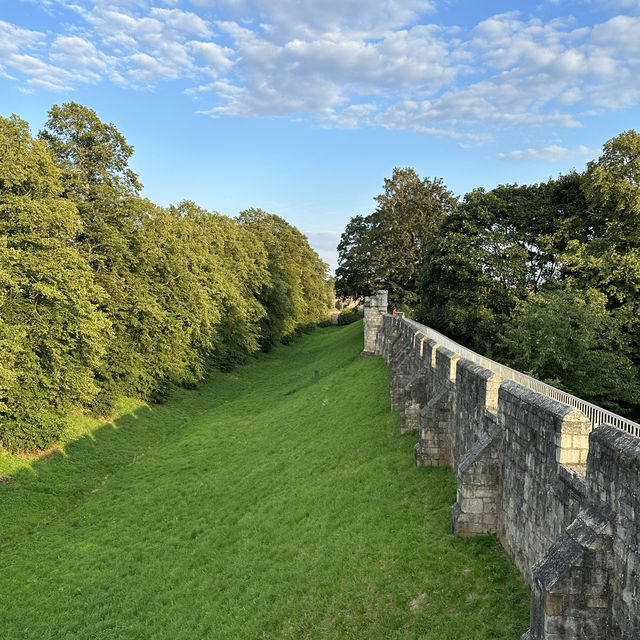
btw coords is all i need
(296, 293)
(165, 316)
(107, 294)
(608, 260)
(406, 221)
(355, 273)
(52, 334)
(93, 154)
(347, 316)
(231, 264)
(570, 340)
(495, 249)
(142, 256)
(386, 249)
(93, 157)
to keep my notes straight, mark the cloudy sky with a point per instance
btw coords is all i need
(302, 107)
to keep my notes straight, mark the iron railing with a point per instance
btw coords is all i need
(597, 415)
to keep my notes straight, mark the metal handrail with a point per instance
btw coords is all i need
(597, 415)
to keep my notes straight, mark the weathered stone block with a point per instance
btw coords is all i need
(433, 447)
(568, 599)
(374, 309)
(565, 505)
(478, 486)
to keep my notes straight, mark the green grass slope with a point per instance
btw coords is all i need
(267, 504)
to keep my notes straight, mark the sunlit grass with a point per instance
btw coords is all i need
(267, 504)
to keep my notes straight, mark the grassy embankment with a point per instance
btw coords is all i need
(266, 504)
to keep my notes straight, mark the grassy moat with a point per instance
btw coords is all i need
(269, 503)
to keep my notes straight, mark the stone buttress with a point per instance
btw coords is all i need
(563, 499)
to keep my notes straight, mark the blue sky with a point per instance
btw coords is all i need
(303, 107)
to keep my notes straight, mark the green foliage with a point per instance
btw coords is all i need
(406, 221)
(93, 154)
(608, 260)
(295, 294)
(232, 264)
(347, 316)
(547, 276)
(29, 424)
(158, 525)
(354, 275)
(495, 249)
(569, 340)
(106, 294)
(51, 329)
(386, 249)
(94, 159)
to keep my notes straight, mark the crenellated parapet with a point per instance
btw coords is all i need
(562, 497)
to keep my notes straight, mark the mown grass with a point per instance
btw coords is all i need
(266, 504)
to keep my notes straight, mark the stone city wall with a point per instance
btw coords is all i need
(563, 499)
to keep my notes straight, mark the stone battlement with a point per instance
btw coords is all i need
(562, 498)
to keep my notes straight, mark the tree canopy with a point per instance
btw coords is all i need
(51, 328)
(608, 259)
(546, 277)
(107, 294)
(295, 294)
(386, 248)
(570, 341)
(495, 249)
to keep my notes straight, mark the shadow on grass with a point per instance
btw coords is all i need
(48, 486)
(43, 488)
(265, 513)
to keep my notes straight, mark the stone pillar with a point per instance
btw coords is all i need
(433, 448)
(571, 594)
(476, 511)
(415, 399)
(476, 446)
(416, 393)
(435, 419)
(401, 368)
(375, 307)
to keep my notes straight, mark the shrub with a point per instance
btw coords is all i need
(349, 315)
(31, 427)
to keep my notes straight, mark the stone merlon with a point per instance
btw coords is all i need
(563, 498)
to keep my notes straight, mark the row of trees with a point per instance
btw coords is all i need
(105, 294)
(543, 277)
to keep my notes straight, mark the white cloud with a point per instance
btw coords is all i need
(523, 74)
(154, 45)
(216, 58)
(13, 38)
(285, 20)
(184, 21)
(321, 76)
(344, 63)
(628, 5)
(80, 57)
(351, 117)
(552, 153)
(19, 50)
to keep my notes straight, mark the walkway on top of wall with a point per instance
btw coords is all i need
(597, 415)
(561, 497)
